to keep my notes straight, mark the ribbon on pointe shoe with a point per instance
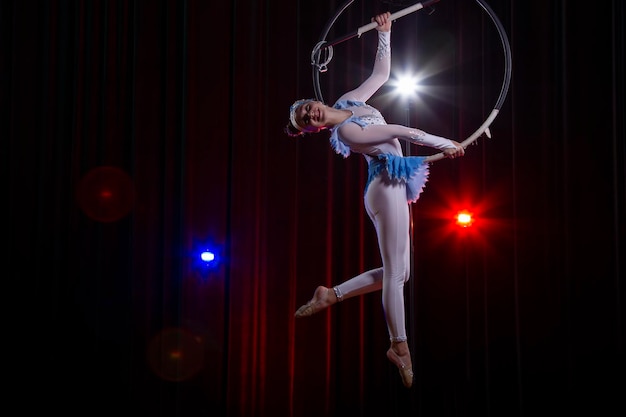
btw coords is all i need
(406, 372)
(320, 300)
(306, 310)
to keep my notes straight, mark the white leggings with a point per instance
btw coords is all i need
(387, 206)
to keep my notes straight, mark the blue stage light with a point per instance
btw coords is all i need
(205, 257)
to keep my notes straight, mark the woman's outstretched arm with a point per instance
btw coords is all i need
(382, 63)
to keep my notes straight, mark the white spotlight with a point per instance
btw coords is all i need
(407, 85)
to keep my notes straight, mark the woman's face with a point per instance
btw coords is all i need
(310, 116)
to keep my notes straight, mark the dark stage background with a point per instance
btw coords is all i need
(134, 131)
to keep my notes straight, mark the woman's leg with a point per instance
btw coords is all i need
(387, 205)
(388, 209)
(324, 297)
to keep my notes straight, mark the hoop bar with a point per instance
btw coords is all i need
(470, 139)
(396, 15)
(372, 25)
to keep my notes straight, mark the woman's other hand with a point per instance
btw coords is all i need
(458, 150)
(384, 22)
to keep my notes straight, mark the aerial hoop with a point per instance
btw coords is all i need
(324, 49)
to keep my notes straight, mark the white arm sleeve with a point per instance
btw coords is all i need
(375, 135)
(380, 72)
(420, 137)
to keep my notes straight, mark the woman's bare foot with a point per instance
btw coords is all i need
(400, 356)
(322, 298)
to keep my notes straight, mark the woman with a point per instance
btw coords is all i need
(394, 182)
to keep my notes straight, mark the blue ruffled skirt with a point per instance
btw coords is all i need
(412, 170)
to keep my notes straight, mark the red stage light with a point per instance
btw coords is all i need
(464, 218)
